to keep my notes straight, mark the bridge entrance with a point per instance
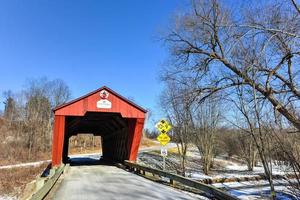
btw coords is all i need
(104, 113)
(84, 149)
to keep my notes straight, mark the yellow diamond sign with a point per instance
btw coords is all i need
(163, 138)
(163, 126)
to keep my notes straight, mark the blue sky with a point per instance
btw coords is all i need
(88, 44)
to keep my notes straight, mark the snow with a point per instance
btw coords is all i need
(276, 169)
(229, 169)
(232, 169)
(5, 197)
(249, 190)
(37, 163)
(197, 176)
(262, 193)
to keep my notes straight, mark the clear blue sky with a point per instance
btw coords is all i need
(87, 43)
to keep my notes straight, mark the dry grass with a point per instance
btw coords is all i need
(13, 181)
(146, 142)
(14, 154)
(78, 150)
(173, 150)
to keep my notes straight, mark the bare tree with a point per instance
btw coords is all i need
(38, 115)
(296, 6)
(253, 111)
(59, 92)
(206, 123)
(218, 48)
(10, 106)
(178, 111)
(247, 150)
(287, 152)
(30, 118)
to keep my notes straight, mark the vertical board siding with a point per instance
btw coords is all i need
(121, 146)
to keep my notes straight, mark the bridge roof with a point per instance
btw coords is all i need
(124, 104)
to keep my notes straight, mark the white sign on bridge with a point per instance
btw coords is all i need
(104, 102)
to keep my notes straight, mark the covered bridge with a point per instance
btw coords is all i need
(104, 113)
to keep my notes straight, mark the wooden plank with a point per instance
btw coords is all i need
(219, 194)
(41, 193)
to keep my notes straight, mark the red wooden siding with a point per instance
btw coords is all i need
(132, 113)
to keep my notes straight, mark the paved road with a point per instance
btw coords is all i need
(109, 182)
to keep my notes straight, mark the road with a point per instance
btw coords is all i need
(109, 182)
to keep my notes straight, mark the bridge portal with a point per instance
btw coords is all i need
(104, 113)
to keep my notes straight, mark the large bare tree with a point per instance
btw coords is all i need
(218, 47)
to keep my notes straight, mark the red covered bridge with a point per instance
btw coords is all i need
(104, 113)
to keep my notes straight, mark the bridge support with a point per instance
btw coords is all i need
(58, 139)
(135, 131)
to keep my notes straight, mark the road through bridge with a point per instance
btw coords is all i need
(99, 180)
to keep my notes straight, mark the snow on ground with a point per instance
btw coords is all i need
(282, 193)
(229, 169)
(246, 184)
(7, 198)
(37, 163)
(249, 190)
(276, 169)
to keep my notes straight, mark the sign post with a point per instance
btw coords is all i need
(163, 127)
(164, 153)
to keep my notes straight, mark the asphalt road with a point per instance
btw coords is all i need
(109, 182)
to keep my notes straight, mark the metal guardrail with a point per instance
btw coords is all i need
(45, 189)
(217, 193)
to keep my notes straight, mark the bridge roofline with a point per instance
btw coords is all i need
(96, 91)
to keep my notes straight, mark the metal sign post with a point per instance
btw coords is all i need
(164, 153)
(164, 163)
(163, 127)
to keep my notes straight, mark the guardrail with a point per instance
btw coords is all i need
(44, 190)
(217, 193)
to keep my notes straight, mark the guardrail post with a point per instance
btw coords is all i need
(66, 169)
(39, 183)
(52, 172)
(171, 181)
(45, 187)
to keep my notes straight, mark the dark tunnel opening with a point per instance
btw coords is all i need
(112, 128)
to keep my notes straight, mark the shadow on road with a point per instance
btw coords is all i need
(87, 161)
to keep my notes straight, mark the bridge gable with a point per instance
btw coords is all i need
(94, 102)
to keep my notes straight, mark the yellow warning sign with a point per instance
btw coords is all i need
(163, 138)
(163, 126)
